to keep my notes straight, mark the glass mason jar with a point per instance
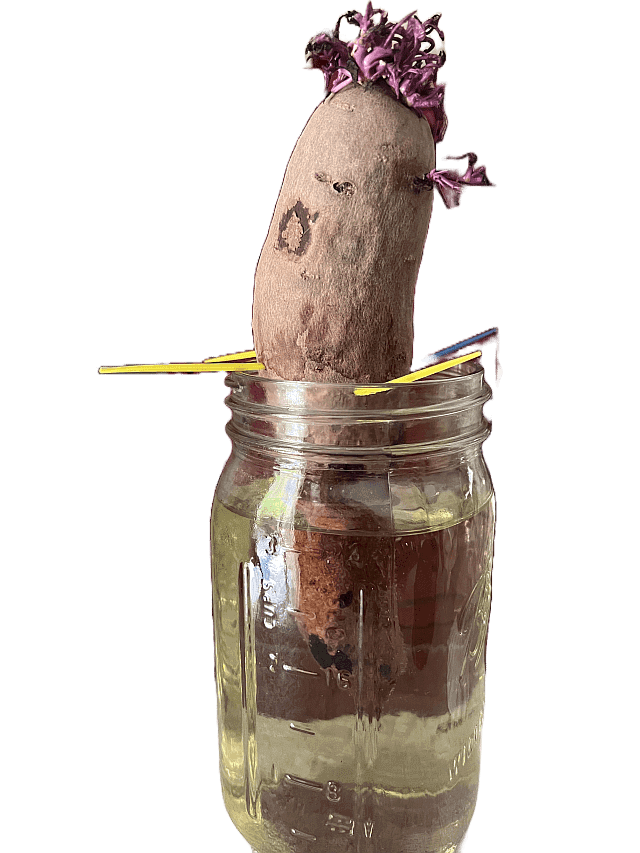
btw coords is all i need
(352, 544)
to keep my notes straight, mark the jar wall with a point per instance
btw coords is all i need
(351, 600)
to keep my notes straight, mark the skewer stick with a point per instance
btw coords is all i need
(186, 367)
(235, 356)
(418, 374)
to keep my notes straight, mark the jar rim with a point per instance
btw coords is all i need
(444, 411)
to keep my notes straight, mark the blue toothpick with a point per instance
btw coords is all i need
(482, 338)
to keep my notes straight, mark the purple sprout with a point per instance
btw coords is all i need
(404, 56)
(450, 184)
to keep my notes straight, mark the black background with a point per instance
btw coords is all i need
(189, 134)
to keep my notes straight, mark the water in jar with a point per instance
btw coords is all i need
(350, 679)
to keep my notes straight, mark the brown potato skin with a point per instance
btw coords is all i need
(335, 282)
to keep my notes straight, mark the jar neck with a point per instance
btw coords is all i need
(437, 416)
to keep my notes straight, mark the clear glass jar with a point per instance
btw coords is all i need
(352, 544)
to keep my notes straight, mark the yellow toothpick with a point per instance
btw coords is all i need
(250, 353)
(186, 367)
(419, 374)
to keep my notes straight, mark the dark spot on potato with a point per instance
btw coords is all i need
(385, 671)
(319, 650)
(346, 599)
(391, 338)
(320, 176)
(420, 183)
(344, 187)
(321, 328)
(306, 314)
(295, 229)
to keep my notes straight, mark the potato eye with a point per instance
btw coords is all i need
(344, 187)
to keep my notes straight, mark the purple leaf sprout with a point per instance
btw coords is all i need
(450, 184)
(404, 56)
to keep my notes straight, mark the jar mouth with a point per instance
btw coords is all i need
(442, 410)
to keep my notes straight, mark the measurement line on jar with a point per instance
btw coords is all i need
(302, 731)
(467, 748)
(301, 613)
(341, 824)
(304, 783)
(299, 834)
(288, 668)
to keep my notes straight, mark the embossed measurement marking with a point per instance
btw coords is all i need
(273, 658)
(299, 834)
(331, 790)
(298, 729)
(288, 668)
(340, 823)
(368, 828)
(270, 618)
(343, 678)
(467, 748)
(295, 612)
(304, 783)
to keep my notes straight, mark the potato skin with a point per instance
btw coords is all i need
(335, 282)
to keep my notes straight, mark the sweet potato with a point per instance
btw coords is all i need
(335, 282)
